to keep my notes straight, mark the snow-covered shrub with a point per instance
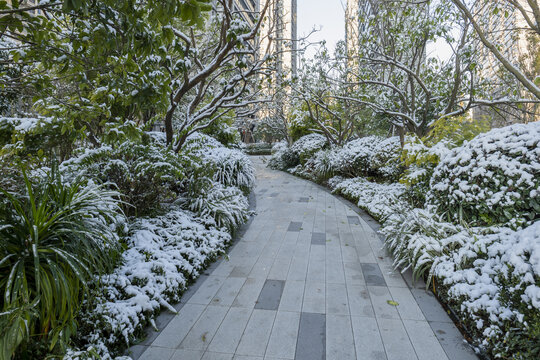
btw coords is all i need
(163, 255)
(494, 179)
(146, 175)
(227, 205)
(308, 145)
(280, 145)
(257, 149)
(386, 159)
(494, 281)
(324, 164)
(380, 200)
(418, 237)
(420, 161)
(230, 167)
(283, 159)
(354, 159)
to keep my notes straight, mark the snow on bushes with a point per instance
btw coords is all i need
(163, 255)
(230, 166)
(494, 282)
(354, 159)
(386, 159)
(494, 179)
(308, 145)
(380, 200)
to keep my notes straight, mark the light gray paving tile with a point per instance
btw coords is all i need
(157, 353)
(182, 354)
(204, 329)
(391, 276)
(367, 338)
(353, 219)
(230, 331)
(284, 334)
(247, 357)
(334, 272)
(359, 301)
(270, 295)
(379, 299)
(207, 290)
(408, 308)
(228, 291)
(336, 299)
(314, 297)
(293, 294)
(372, 274)
(452, 341)
(257, 333)
(353, 273)
(316, 271)
(279, 269)
(365, 255)
(224, 268)
(430, 307)
(317, 253)
(298, 268)
(249, 293)
(216, 356)
(241, 271)
(349, 254)
(424, 341)
(396, 340)
(179, 326)
(339, 338)
(311, 344)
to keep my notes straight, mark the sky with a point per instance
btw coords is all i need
(328, 17)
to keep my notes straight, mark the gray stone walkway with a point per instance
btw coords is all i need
(308, 280)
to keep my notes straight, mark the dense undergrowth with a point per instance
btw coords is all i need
(94, 247)
(462, 213)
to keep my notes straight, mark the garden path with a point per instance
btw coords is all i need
(307, 280)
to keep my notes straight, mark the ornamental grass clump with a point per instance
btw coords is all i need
(54, 239)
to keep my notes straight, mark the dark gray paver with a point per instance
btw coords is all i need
(295, 226)
(311, 343)
(274, 194)
(373, 275)
(262, 191)
(270, 295)
(353, 220)
(318, 238)
(303, 200)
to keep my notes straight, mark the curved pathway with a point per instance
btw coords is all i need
(307, 280)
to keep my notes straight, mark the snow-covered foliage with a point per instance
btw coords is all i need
(164, 253)
(386, 159)
(380, 200)
(146, 175)
(308, 145)
(230, 166)
(494, 281)
(355, 158)
(227, 205)
(493, 179)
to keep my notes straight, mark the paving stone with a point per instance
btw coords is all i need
(408, 307)
(157, 353)
(353, 273)
(241, 271)
(204, 329)
(373, 275)
(452, 341)
(339, 337)
(274, 194)
(284, 335)
(336, 299)
(396, 340)
(380, 296)
(293, 294)
(295, 226)
(228, 291)
(367, 338)
(430, 306)
(318, 238)
(303, 200)
(359, 301)
(178, 328)
(208, 290)
(270, 295)
(316, 271)
(298, 268)
(424, 341)
(353, 220)
(314, 297)
(249, 293)
(182, 354)
(230, 331)
(216, 356)
(257, 333)
(311, 343)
